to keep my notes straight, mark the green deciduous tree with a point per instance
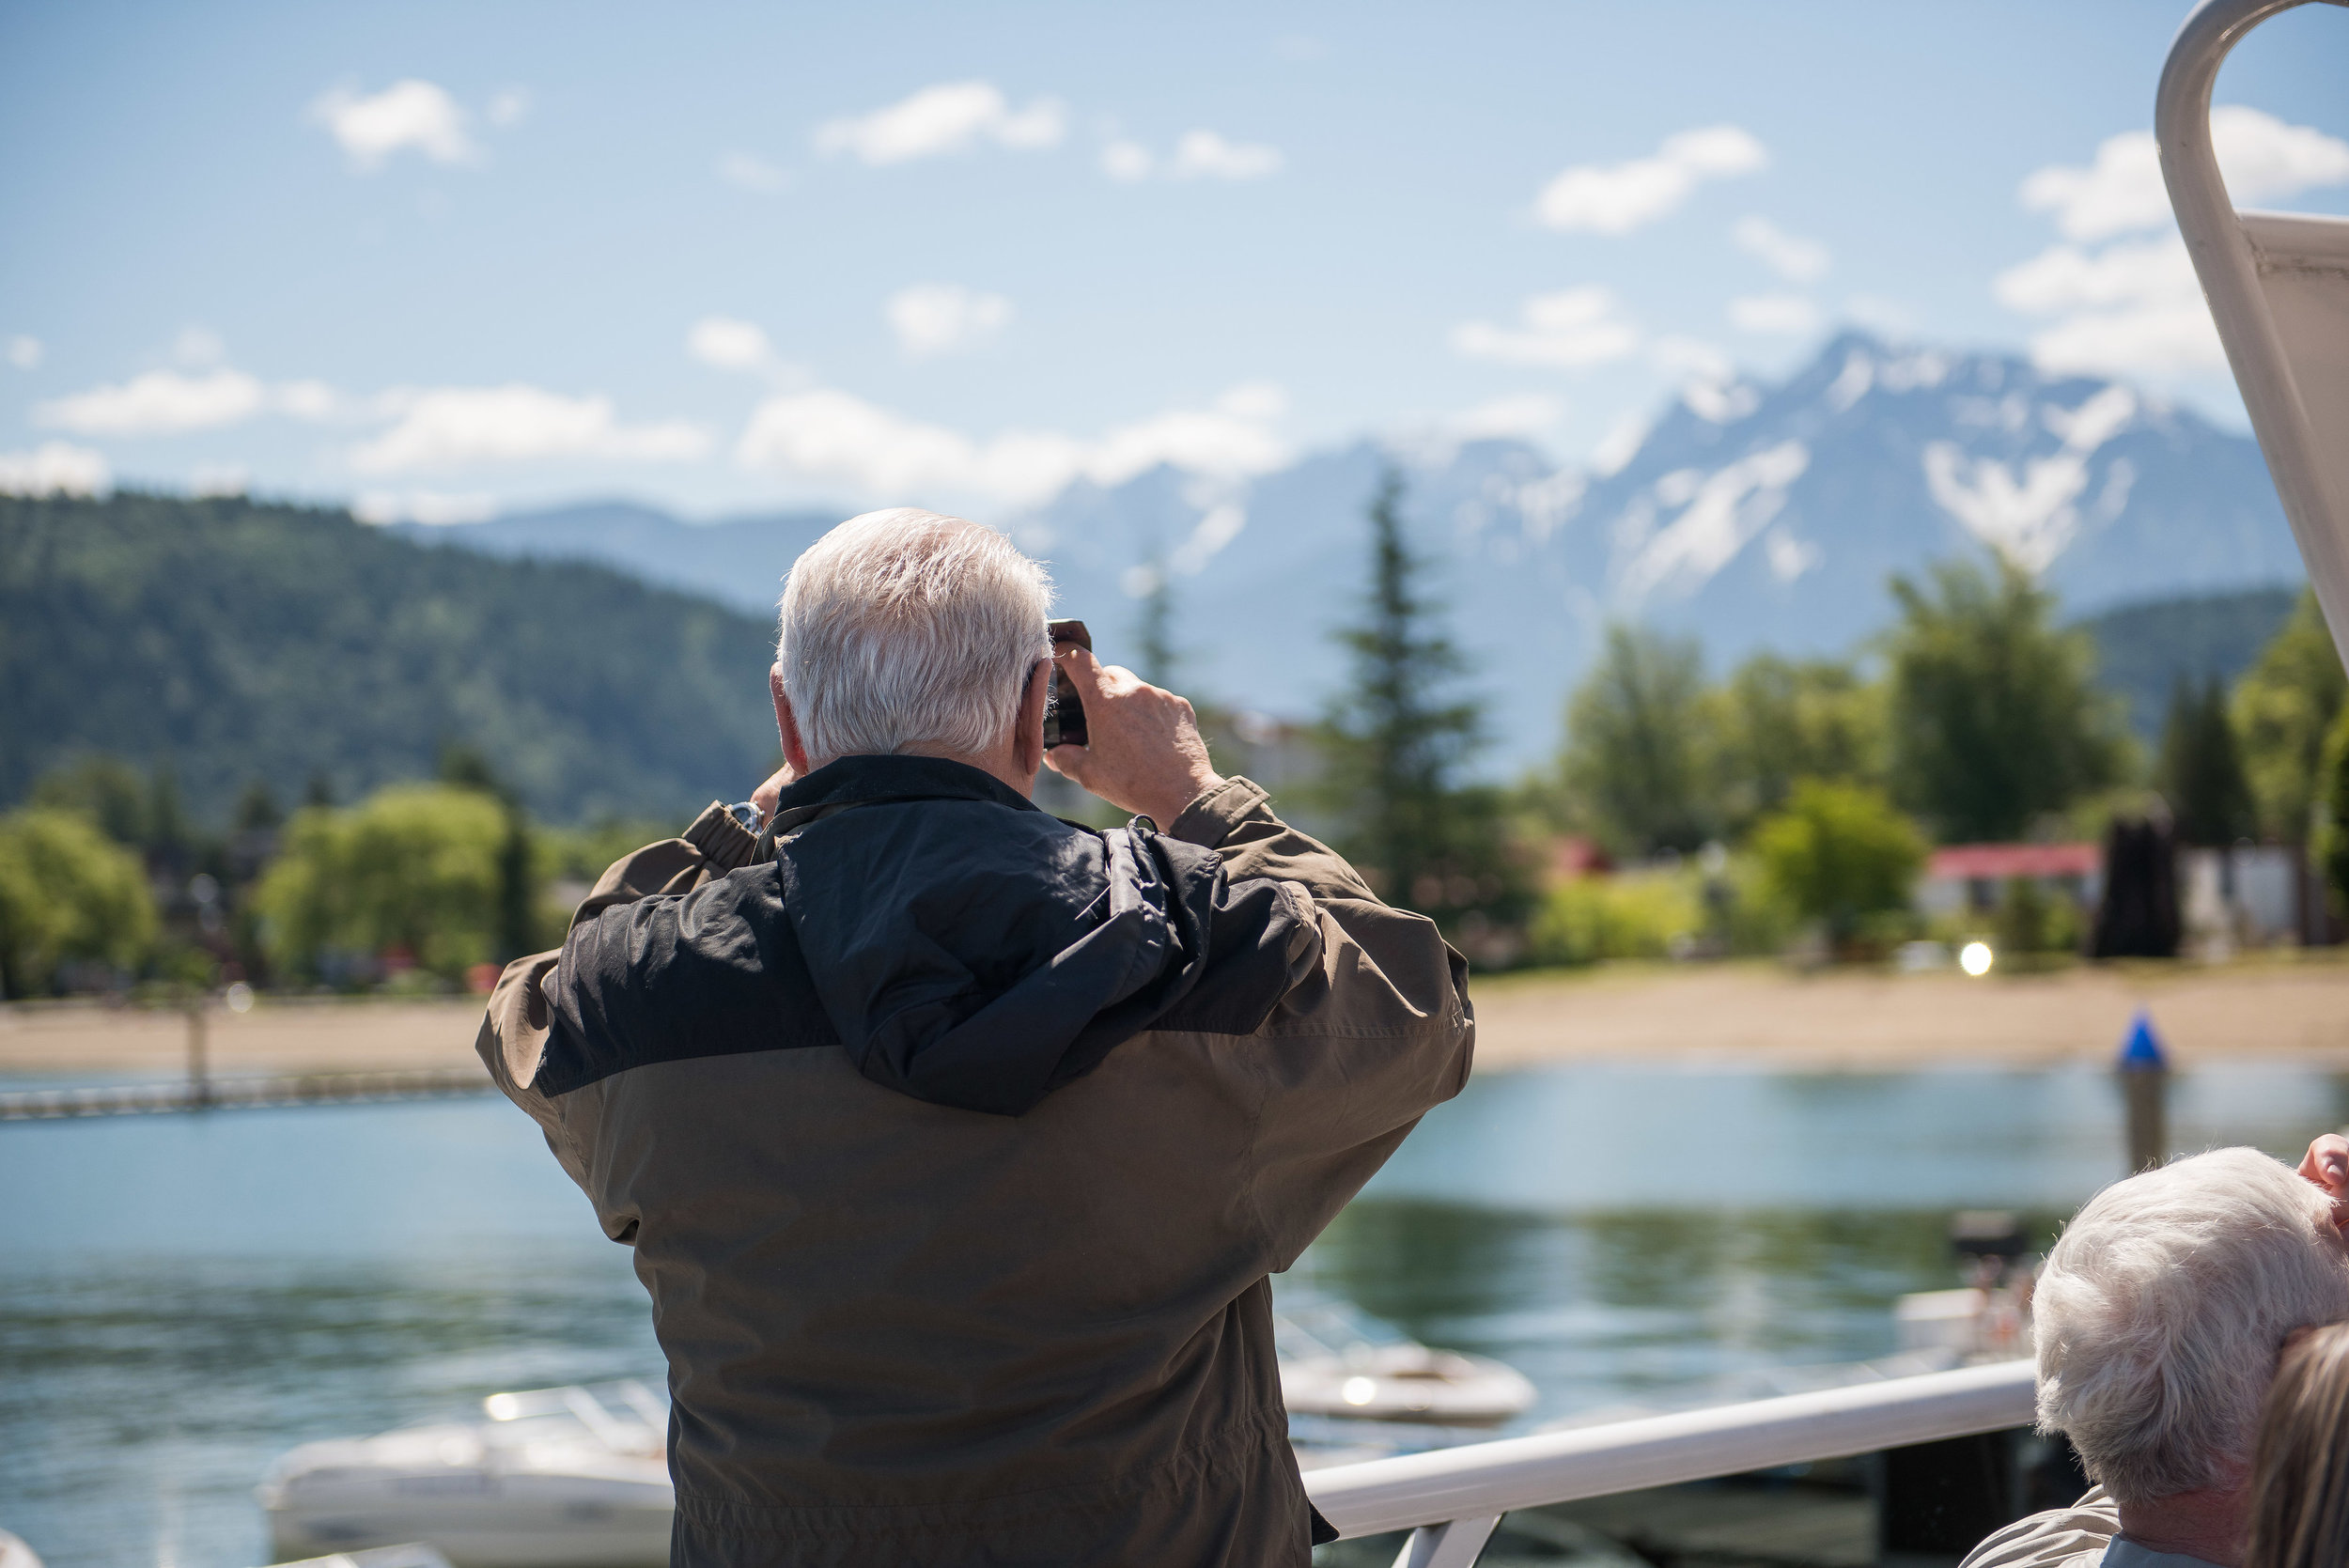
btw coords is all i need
(107, 790)
(1838, 853)
(1783, 720)
(1398, 741)
(1639, 765)
(1995, 717)
(67, 892)
(414, 866)
(2332, 816)
(2283, 709)
(2200, 770)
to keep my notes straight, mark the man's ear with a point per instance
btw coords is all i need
(787, 726)
(1027, 733)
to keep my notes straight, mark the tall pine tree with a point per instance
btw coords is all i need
(2200, 773)
(1398, 741)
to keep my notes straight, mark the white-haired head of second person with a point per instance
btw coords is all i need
(2161, 1311)
(906, 631)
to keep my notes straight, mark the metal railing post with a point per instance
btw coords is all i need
(1454, 1544)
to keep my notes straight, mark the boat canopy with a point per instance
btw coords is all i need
(2278, 284)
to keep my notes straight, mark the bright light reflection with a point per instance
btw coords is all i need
(1974, 958)
(503, 1407)
(1358, 1391)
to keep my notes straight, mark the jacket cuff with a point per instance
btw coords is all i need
(1209, 820)
(724, 843)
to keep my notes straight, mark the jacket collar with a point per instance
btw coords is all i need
(861, 780)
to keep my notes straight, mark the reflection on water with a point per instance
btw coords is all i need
(186, 1297)
(141, 1398)
(1601, 1308)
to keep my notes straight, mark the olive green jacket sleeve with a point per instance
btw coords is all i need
(1374, 1030)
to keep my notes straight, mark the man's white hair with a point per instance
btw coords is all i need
(2160, 1314)
(903, 630)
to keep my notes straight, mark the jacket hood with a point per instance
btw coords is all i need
(970, 950)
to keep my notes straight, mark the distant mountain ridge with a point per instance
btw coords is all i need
(232, 641)
(1751, 515)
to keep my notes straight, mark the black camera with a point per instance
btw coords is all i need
(1065, 716)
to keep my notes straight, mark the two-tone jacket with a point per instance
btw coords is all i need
(956, 1144)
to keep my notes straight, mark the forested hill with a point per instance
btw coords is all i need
(232, 641)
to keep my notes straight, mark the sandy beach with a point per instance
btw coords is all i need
(2295, 1007)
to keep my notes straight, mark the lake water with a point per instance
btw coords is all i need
(183, 1298)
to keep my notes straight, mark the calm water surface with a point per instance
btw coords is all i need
(183, 1298)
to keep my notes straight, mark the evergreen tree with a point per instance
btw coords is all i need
(1995, 717)
(2201, 772)
(1398, 744)
(1154, 639)
(256, 809)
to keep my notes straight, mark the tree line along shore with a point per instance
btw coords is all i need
(1788, 805)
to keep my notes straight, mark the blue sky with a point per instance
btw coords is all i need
(446, 259)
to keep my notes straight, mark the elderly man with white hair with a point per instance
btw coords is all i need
(956, 1144)
(2158, 1319)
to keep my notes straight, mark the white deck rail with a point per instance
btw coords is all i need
(1451, 1500)
(2278, 285)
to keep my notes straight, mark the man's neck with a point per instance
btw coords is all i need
(1000, 765)
(2210, 1524)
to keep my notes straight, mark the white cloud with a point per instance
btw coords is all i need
(434, 508)
(749, 172)
(951, 116)
(1523, 417)
(1205, 155)
(444, 427)
(1617, 198)
(1783, 315)
(25, 352)
(943, 318)
(407, 113)
(510, 106)
(55, 468)
(161, 402)
(2261, 156)
(835, 437)
(1564, 331)
(1796, 259)
(311, 400)
(2133, 307)
(173, 402)
(1127, 161)
(727, 344)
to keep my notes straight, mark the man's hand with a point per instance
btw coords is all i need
(1142, 752)
(2326, 1164)
(766, 795)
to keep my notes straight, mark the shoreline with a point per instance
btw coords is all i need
(2282, 1007)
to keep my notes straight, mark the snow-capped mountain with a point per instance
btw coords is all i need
(1749, 515)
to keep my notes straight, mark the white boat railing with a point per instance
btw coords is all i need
(1452, 1499)
(2278, 285)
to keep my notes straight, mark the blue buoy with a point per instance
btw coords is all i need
(2141, 1052)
